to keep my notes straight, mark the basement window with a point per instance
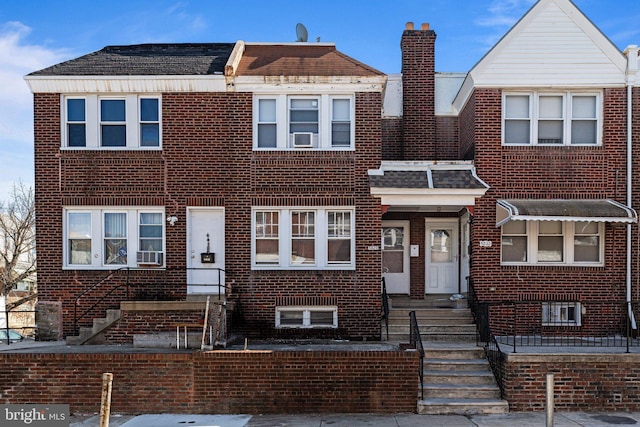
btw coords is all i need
(307, 317)
(561, 314)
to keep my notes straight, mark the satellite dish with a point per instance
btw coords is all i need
(301, 33)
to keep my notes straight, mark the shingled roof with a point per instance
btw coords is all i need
(300, 59)
(147, 60)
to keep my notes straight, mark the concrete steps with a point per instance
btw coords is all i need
(457, 376)
(93, 335)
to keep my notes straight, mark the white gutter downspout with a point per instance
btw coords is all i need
(632, 68)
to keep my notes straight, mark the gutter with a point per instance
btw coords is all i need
(632, 68)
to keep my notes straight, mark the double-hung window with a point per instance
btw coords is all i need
(97, 238)
(293, 238)
(303, 122)
(551, 118)
(111, 122)
(552, 242)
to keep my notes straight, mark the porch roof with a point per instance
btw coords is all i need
(601, 210)
(426, 184)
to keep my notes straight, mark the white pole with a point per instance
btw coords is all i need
(550, 404)
(105, 407)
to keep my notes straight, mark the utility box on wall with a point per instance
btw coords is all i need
(207, 258)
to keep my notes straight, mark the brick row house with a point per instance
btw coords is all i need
(290, 178)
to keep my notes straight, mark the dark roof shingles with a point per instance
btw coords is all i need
(460, 179)
(146, 60)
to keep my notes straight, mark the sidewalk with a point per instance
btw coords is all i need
(528, 419)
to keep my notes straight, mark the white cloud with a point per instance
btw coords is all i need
(18, 58)
(501, 15)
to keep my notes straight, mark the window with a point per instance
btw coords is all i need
(130, 121)
(307, 317)
(565, 118)
(76, 123)
(552, 242)
(303, 238)
(107, 238)
(561, 314)
(303, 122)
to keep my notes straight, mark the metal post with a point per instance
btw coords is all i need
(105, 406)
(550, 404)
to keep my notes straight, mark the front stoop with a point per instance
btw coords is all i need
(457, 376)
(93, 335)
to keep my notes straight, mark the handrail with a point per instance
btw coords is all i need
(76, 318)
(416, 342)
(385, 306)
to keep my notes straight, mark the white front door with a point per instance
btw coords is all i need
(395, 256)
(442, 257)
(205, 235)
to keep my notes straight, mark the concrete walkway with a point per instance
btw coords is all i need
(535, 419)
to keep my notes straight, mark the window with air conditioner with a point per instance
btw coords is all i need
(291, 122)
(108, 238)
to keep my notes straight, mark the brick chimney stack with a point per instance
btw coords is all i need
(418, 92)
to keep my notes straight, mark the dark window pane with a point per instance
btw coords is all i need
(341, 135)
(114, 136)
(149, 110)
(150, 134)
(112, 110)
(77, 135)
(75, 110)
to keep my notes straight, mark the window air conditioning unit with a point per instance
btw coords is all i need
(150, 258)
(303, 139)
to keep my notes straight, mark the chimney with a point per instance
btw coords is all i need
(418, 92)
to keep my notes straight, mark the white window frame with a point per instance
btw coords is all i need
(97, 236)
(285, 260)
(321, 141)
(93, 123)
(567, 116)
(569, 235)
(306, 316)
(556, 313)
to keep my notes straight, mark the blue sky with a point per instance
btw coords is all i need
(37, 33)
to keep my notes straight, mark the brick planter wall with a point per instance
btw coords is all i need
(217, 382)
(583, 382)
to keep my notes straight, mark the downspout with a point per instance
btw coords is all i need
(632, 68)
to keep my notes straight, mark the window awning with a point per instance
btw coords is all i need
(604, 210)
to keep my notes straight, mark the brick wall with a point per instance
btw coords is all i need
(585, 382)
(392, 148)
(217, 382)
(207, 159)
(547, 172)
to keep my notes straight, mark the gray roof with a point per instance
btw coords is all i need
(461, 179)
(147, 60)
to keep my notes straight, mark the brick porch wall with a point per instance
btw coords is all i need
(217, 382)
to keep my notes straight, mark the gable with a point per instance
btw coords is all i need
(554, 44)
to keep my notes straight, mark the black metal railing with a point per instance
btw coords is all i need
(100, 285)
(77, 317)
(385, 306)
(416, 342)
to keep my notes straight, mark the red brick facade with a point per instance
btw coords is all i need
(220, 382)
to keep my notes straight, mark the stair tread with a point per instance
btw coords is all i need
(458, 373)
(462, 401)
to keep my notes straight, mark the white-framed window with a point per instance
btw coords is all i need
(307, 317)
(561, 314)
(551, 118)
(553, 242)
(307, 238)
(111, 122)
(108, 237)
(297, 122)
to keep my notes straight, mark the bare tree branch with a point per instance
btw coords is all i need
(17, 238)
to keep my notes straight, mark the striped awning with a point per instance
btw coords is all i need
(604, 210)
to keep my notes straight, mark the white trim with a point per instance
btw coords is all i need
(125, 84)
(321, 85)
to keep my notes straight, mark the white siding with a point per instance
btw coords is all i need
(553, 45)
